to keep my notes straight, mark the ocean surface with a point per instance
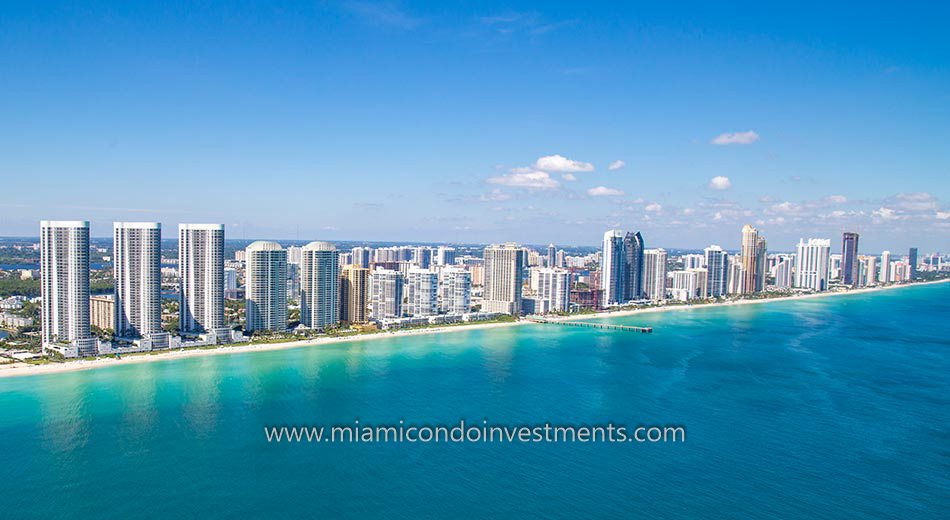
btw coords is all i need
(823, 408)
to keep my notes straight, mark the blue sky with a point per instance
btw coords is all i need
(464, 121)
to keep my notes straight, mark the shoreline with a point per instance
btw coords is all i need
(18, 369)
(675, 307)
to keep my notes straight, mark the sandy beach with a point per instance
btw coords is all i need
(26, 369)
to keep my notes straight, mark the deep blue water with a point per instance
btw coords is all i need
(825, 408)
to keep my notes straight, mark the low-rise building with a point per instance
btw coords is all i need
(102, 311)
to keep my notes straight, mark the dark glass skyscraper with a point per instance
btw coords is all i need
(633, 266)
(850, 265)
(912, 260)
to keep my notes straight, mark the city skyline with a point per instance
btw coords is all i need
(490, 124)
(731, 243)
(408, 285)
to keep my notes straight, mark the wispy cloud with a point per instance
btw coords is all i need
(921, 201)
(522, 178)
(616, 165)
(736, 138)
(528, 23)
(604, 191)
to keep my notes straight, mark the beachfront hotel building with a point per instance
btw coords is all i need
(137, 263)
(717, 271)
(354, 294)
(554, 287)
(870, 270)
(265, 291)
(850, 266)
(422, 292)
(784, 272)
(689, 284)
(64, 286)
(753, 259)
(885, 276)
(456, 290)
(612, 267)
(912, 263)
(632, 267)
(813, 264)
(503, 278)
(735, 276)
(319, 285)
(654, 274)
(386, 293)
(201, 279)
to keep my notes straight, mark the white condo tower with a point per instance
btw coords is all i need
(64, 268)
(137, 261)
(319, 285)
(201, 279)
(266, 287)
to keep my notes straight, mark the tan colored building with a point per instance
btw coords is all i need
(752, 257)
(503, 279)
(102, 312)
(354, 293)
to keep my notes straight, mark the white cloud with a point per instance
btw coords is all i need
(558, 163)
(569, 177)
(616, 165)
(653, 207)
(943, 215)
(519, 178)
(688, 211)
(603, 191)
(720, 183)
(836, 199)
(736, 138)
(885, 214)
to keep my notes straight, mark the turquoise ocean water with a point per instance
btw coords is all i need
(824, 408)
